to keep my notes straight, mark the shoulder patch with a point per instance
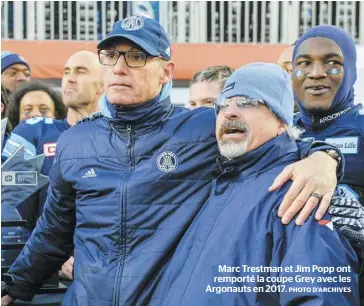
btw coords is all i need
(92, 117)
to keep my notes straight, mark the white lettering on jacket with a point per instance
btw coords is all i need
(334, 116)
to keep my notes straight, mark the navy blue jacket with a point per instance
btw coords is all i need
(239, 226)
(125, 189)
(120, 191)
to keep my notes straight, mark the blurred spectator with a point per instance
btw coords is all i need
(81, 85)
(285, 61)
(4, 106)
(206, 85)
(35, 99)
(81, 91)
(4, 101)
(15, 71)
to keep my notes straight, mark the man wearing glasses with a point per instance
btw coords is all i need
(237, 252)
(137, 177)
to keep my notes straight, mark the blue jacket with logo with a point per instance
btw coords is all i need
(238, 230)
(124, 191)
(125, 188)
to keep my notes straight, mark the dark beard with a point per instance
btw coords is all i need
(317, 109)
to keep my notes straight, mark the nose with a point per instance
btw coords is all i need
(71, 78)
(35, 113)
(120, 66)
(231, 112)
(317, 71)
(21, 77)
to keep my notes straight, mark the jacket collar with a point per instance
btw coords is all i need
(260, 159)
(140, 116)
(319, 122)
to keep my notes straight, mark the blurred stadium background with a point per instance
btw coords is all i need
(203, 33)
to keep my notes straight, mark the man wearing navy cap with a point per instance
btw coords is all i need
(136, 178)
(146, 65)
(14, 70)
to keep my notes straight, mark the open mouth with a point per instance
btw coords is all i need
(234, 133)
(317, 89)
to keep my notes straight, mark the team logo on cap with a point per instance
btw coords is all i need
(132, 23)
(167, 161)
(228, 87)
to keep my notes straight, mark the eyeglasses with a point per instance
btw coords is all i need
(133, 59)
(241, 102)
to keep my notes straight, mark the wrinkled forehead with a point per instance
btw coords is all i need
(318, 47)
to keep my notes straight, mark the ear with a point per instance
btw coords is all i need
(167, 72)
(282, 128)
(100, 88)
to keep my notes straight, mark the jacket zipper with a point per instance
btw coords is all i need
(122, 250)
(314, 124)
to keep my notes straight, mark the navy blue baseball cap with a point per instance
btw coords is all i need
(146, 33)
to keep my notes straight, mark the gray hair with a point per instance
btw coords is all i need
(294, 132)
